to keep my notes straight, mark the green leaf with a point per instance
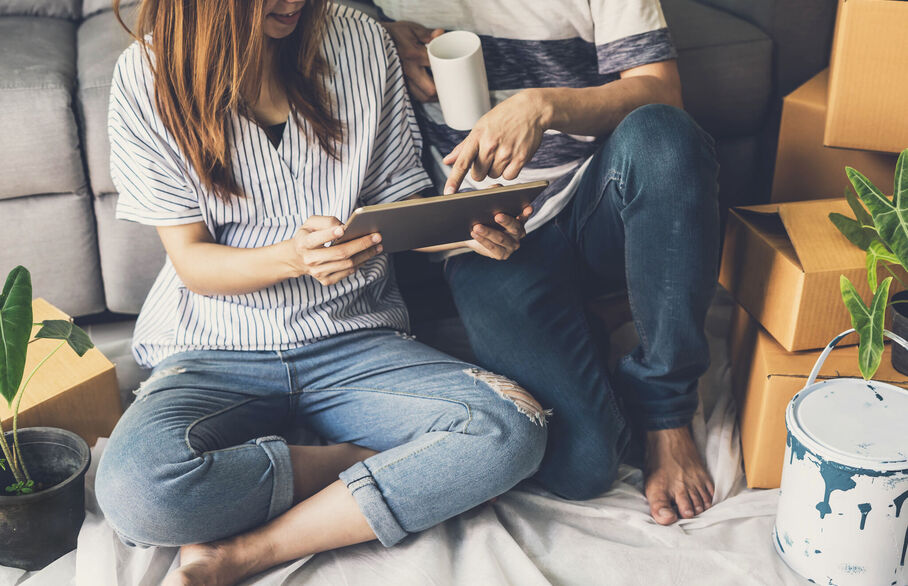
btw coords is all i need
(859, 235)
(2, 464)
(860, 212)
(891, 220)
(900, 185)
(15, 330)
(868, 321)
(876, 253)
(61, 329)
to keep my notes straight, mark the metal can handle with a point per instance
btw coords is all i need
(816, 367)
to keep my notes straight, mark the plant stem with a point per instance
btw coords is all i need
(6, 454)
(19, 461)
(891, 272)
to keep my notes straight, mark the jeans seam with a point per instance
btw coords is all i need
(411, 454)
(190, 427)
(466, 406)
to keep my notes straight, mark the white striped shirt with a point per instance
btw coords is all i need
(378, 161)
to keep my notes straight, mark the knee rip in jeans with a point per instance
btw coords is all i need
(404, 335)
(511, 391)
(140, 393)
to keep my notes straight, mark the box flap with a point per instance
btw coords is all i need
(813, 93)
(816, 241)
(765, 221)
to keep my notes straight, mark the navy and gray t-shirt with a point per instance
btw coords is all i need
(543, 43)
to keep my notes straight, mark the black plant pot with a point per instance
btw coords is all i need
(900, 328)
(38, 528)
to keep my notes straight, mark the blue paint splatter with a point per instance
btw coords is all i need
(798, 450)
(779, 543)
(817, 551)
(864, 508)
(787, 539)
(873, 388)
(835, 478)
(898, 501)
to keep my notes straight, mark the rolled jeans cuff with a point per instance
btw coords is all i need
(372, 504)
(282, 475)
(670, 422)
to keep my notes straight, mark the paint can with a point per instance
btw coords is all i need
(843, 516)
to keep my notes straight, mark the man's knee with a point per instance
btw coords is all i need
(664, 138)
(581, 485)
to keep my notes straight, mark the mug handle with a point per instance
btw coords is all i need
(816, 367)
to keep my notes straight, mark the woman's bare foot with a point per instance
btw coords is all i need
(676, 479)
(210, 564)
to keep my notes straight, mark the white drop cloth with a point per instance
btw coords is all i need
(527, 537)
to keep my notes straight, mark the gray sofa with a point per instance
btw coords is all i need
(57, 200)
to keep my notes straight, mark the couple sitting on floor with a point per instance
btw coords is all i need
(244, 131)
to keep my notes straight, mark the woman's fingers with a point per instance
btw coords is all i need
(316, 239)
(315, 223)
(333, 271)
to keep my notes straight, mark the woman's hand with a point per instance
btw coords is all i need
(411, 40)
(328, 265)
(501, 142)
(499, 244)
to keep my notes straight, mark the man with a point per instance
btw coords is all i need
(585, 94)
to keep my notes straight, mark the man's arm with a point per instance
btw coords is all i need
(508, 135)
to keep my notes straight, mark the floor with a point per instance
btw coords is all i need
(526, 537)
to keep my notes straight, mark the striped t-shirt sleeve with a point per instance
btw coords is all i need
(145, 168)
(395, 170)
(630, 33)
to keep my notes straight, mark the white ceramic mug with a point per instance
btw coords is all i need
(460, 78)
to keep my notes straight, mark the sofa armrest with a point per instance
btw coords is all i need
(801, 31)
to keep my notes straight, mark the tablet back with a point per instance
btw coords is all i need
(417, 223)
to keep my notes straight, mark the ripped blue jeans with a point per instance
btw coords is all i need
(200, 456)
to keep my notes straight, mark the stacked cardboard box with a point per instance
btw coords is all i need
(69, 392)
(855, 108)
(782, 262)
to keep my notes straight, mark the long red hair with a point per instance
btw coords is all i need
(208, 62)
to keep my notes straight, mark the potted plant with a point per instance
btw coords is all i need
(881, 230)
(42, 469)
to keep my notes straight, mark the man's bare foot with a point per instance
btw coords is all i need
(676, 479)
(210, 564)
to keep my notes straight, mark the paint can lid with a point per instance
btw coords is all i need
(853, 422)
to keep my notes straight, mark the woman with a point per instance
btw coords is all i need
(243, 130)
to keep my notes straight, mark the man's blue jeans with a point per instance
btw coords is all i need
(200, 455)
(645, 217)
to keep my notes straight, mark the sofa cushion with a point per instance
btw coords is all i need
(131, 256)
(725, 65)
(100, 42)
(92, 7)
(68, 9)
(39, 142)
(53, 236)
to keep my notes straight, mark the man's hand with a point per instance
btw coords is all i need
(499, 244)
(328, 265)
(501, 142)
(411, 40)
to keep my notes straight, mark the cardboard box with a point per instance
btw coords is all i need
(69, 392)
(764, 379)
(869, 76)
(782, 262)
(805, 169)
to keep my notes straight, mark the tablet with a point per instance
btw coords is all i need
(428, 221)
